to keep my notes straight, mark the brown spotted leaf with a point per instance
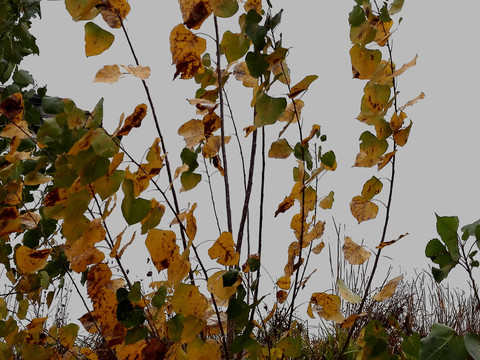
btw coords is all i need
(30, 261)
(371, 188)
(253, 4)
(363, 209)
(186, 49)
(354, 253)
(163, 248)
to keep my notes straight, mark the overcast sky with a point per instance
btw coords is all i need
(437, 171)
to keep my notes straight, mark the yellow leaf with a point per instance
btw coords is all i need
(186, 49)
(293, 252)
(315, 233)
(396, 121)
(364, 61)
(142, 72)
(108, 74)
(350, 321)
(162, 246)
(30, 261)
(134, 120)
(388, 290)
(302, 86)
(270, 314)
(401, 136)
(326, 306)
(188, 300)
(363, 209)
(224, 250)
(192, 132)
(327, 201)
(346, 293)
(315, 131)
(97, 40)
(354, 253)
(383, 30)
(192, 326)
(386, 159)
(83, 252)
(194, 12)
(68, 334)
(102, 291)
(114, 12)
(284, 282)
(191, 223)
(215, 286)
(82, 10)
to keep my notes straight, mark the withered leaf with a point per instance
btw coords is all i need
(108, 74)
(354, 253)
(363, 209)
(326, 306)
(114, 12)
(195, 12)
(388, 290)
(134, 120)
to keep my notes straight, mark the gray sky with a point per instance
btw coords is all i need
(437, 171)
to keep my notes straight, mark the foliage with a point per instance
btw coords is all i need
(63, 175)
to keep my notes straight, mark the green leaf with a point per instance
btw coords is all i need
(89, 166)
(439, 254)
(230, 277)
(253, 263)
(238, 311)
(472, 343)
(175, 327)
(442, 344)
(396, 6)
(108, 185)
(189, 157)
(411, 346)
(134, 210)
(290, 346)
(356, 16)
(254, 31)
(136, 334)
(303, 154)
(371, 188)
(447, 227)
(22, 78)
(272, 22)
(82, 9)
(103, 145)
(158, 299)
(135, 294)
(234, 46)
(97, 40)
(96, 116)
(189, 180)
(384, 15)
(224, 8)
(256, 63)
(269, 110)
(52, 105)
(328, 158)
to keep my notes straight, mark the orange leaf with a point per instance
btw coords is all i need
(386, 159)
(318, 248)
(191, 223)
(186, 49)
(224, 250)
(354, 253)
(391, 242)
(30, 261)
(134, 120)
(253, 4)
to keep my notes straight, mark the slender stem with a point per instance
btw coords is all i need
(222, 128)
(212, 198)
(247, 192)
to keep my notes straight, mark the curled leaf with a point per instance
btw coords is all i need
(114, 12)
(194, 12)
(134, 120)
(302, 86)
(388, 290)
